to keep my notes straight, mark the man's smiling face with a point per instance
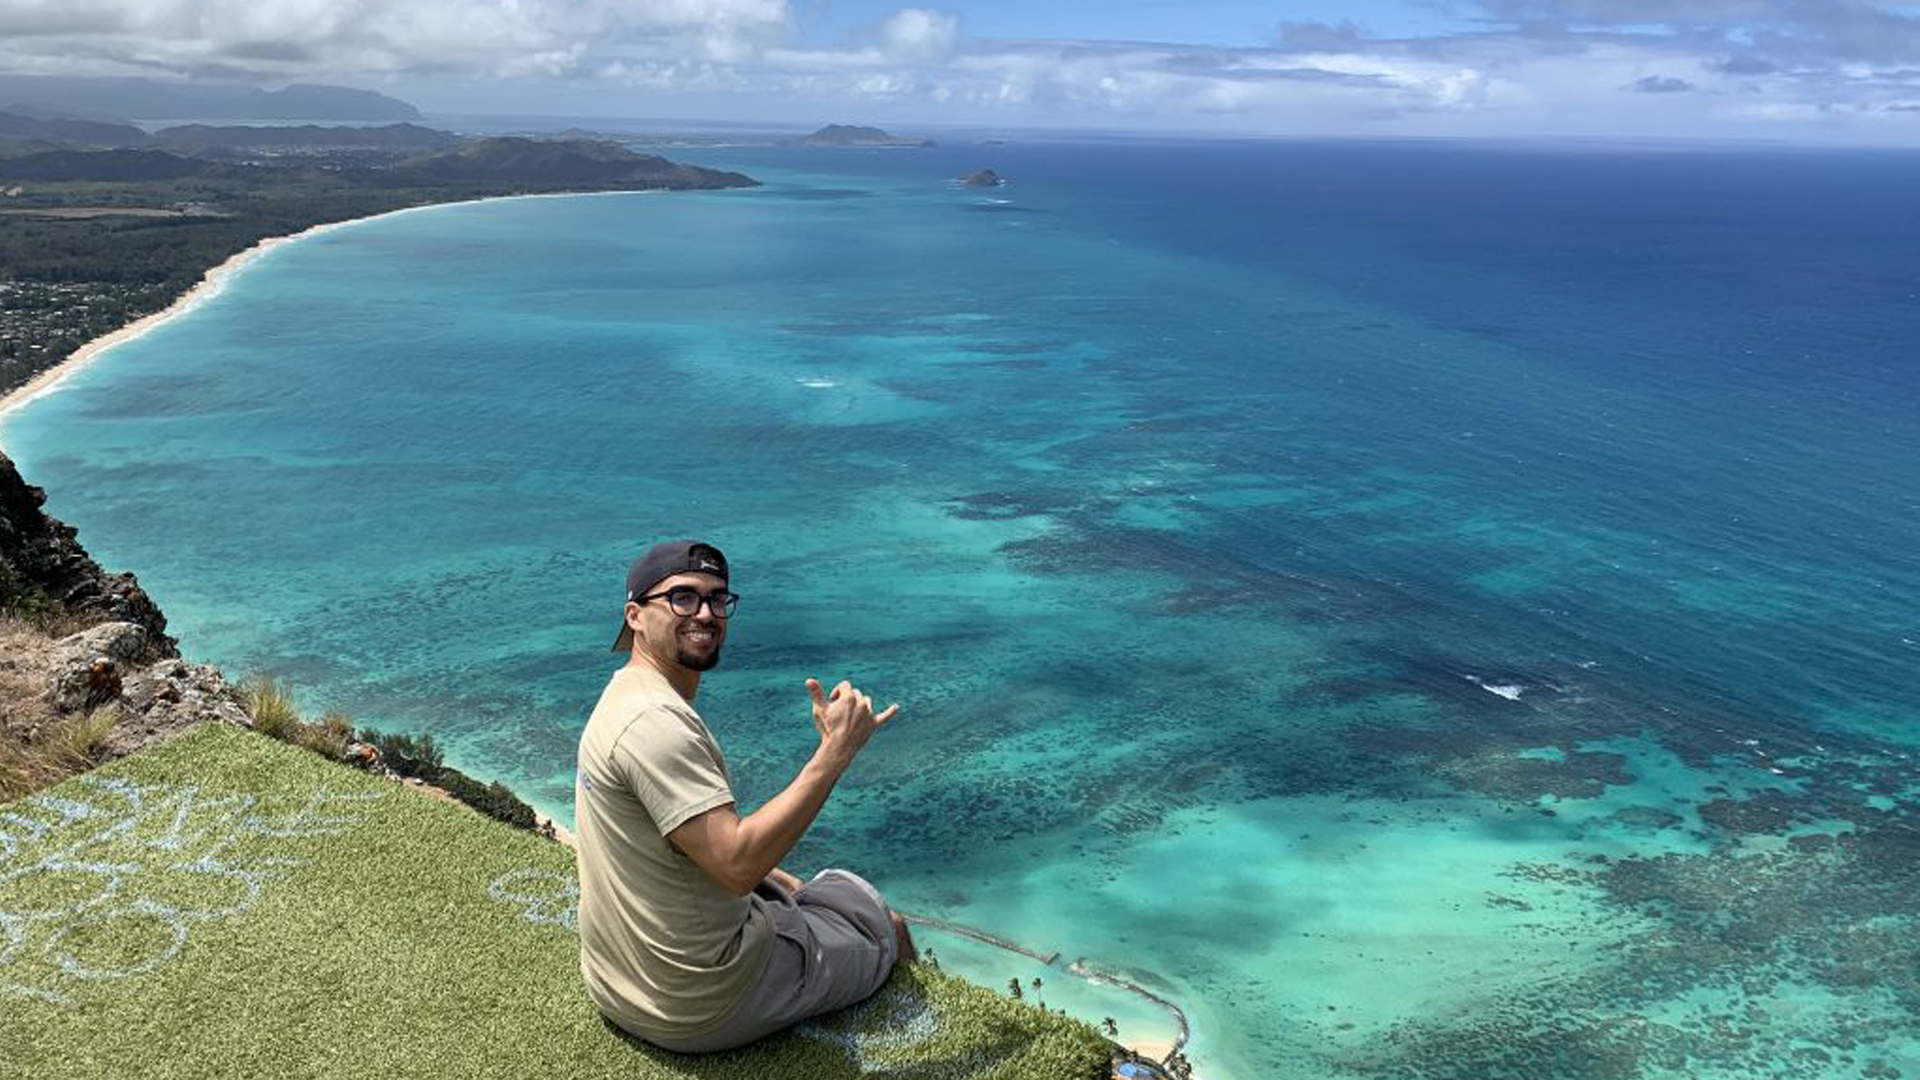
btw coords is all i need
(688, 641)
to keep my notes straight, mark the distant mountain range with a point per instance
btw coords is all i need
(498, 161)
(196, 138)
(155, 99)
(19, 126)
(113, 166)
(27, 122)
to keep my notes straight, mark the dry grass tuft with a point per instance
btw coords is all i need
(272, 709)
(329, 737)
(39, 746)
(275, 715)
(67, 746)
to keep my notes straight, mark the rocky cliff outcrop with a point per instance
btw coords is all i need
(44, 571)
(75, 639)
(82, 649)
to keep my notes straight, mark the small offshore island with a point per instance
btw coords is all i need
(102, 224)
(859, 136)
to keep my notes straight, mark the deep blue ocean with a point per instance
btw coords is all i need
(1432, 610)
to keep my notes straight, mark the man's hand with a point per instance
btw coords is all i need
(845, 719)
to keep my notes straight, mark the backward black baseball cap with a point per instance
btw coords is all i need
(660, 563)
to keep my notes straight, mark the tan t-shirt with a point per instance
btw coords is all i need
(663, 948)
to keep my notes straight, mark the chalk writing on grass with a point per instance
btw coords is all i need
(885, 1033)
(113, 885)
(547, 897)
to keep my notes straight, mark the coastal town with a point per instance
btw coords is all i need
(38, 317)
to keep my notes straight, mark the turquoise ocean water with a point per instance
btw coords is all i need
(1431, 610)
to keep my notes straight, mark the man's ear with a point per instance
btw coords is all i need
(636, 621)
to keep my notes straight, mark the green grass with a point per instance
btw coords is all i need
(228, 905)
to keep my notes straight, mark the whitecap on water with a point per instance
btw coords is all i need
(1510, 691)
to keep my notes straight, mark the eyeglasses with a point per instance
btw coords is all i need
(685, 600)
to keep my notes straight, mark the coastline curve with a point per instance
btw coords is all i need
(214, 281)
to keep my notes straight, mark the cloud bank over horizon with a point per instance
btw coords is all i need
(1813, 70)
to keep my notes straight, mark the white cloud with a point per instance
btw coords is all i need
(673, 76)
(882, 85)
(1321, 92)
(348, 38)
(920, 34)
(805, 60)
(1776, 112)
(1520, 67)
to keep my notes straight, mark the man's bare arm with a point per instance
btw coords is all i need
(738, 852)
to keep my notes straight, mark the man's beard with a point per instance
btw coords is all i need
(694, 661)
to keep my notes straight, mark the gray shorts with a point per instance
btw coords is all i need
(833, 946)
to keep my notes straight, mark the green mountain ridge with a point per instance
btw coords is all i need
(18, 124)
(193, 138)
(493, 161)
(511, 158)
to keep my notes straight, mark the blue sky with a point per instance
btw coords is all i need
(1805, 71)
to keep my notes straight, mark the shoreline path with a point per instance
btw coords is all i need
(1079, 968)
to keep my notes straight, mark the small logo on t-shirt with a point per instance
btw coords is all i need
(580, 777)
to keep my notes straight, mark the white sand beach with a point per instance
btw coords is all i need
(1157, 1049)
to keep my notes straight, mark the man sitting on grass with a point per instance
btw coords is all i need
(691, 937)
